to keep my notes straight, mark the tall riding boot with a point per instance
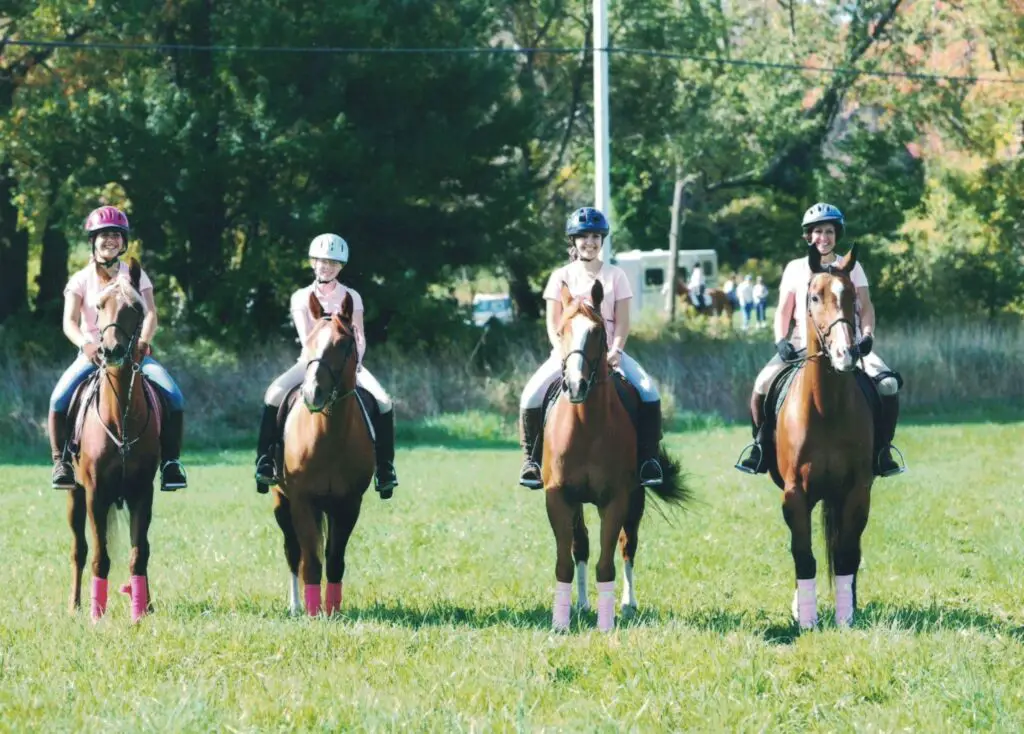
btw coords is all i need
(754, 463)
(172, 473)
(885, 465)
(531, 426)
(648, 442)
(266, 469)
(63, 474)
(386, 479)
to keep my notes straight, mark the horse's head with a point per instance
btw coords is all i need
(584, 343)
(120, 310)
(831, 308)
(331, 357)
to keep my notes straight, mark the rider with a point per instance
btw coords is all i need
(107, 228)
(586, 229)
(823, 225)
(328, 254)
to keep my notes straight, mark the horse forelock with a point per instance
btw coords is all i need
(581, 307)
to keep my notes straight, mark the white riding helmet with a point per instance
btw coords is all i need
(329, 247)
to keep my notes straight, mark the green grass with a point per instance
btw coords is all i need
(447, 607)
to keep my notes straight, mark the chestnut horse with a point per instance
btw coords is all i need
(590, 456)
(328, 462)
(824, 443)
(119, 450)
(720, 303)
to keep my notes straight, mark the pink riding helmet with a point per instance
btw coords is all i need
(106, 217)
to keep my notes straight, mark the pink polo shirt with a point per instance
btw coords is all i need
(580, 282)
(86, 285)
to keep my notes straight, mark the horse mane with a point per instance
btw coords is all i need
(581, 306)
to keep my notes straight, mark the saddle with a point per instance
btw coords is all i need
(628, 394)
(695, 300)
(368, 407)
(776, 396)
(87, 394)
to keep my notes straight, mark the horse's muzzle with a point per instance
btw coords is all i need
(577, 393)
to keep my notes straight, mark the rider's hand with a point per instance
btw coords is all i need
(145, 350)
(614, 358)
(786, 350)
(92, 351)
(864, 346)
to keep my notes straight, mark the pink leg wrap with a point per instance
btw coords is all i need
(99, 597)
(333, 601)
(312, 599)
(806, 603)
(606, 605)
(844, 600)
(563, 600)
(140, 597)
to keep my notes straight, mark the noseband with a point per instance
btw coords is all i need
(336, 377)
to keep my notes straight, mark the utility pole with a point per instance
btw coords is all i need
(602, 178)
(673, 246)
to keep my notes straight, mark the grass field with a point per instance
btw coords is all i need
(447, 607)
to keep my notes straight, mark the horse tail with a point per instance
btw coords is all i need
(118, 520)
(673, 489)
(831, 518)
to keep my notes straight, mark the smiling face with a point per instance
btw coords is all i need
(325, 270)
(823, 237)
(588, 245)
(108, 244)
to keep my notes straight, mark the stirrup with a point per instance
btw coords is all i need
(741, 462)
(530, 482)
(262, 479)
(166, 486)
(901, 465)
(651, 481)
(386, 487)
(68, 474)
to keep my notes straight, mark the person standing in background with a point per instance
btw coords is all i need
(745, 299)
(761, 302)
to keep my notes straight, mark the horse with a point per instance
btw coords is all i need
(590, 456)
(119, 450)
(824, 443)
(720, 304)
(328, 462)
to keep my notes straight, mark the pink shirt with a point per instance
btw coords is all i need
(330, 301)
(796, 278)
(580, 282)
(86, 285)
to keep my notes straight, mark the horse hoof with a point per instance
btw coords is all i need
(627, 612)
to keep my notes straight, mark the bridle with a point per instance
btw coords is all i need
(124, 445)
(336, 377)
(591, 363)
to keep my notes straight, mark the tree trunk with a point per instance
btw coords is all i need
(13, 250)
(53, 274)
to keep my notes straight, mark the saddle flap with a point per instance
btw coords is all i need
(628, 395)
(368, 406)
(88, 392)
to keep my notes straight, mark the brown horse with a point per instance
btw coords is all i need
(328, 462)
(590, 456)
(824, 443)
(719, 302)
(119, 451)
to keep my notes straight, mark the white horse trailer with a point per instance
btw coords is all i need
(647, 271)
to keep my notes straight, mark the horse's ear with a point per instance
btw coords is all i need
(346, 308)
(814, 259)
(134, 272)
(597, 295)
(849, 261)
(314, 306)
(565, 296)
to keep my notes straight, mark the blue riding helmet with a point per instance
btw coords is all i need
(821, 213)
(587, 219)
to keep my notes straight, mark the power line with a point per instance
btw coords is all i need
(501, 50)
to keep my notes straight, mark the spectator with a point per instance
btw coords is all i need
(761, 302)
(745, 298)
(729, 289)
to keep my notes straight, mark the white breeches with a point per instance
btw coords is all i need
(295, 374)
(547, 373)
(872, 364)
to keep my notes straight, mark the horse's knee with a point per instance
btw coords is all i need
(803, 561)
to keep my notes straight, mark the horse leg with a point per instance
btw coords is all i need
(854, 519)
(613, 516)
(340, 525)
(581, 552)
(797, 513)
(629, 538)
(306, 521)
(79, 547)
(283, 515)
(561, 515)
(100, 557)
(141, 509)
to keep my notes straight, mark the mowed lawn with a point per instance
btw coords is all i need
(447, 608)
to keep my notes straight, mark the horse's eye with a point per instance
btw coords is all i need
(815, 298)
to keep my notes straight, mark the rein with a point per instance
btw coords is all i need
(124, 446)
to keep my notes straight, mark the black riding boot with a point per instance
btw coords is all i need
(648, 441)
(172, 473)
(754, 463)
(531, 426)
(63, 474)
(885, 465)
(266, 471)
(386, 479)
